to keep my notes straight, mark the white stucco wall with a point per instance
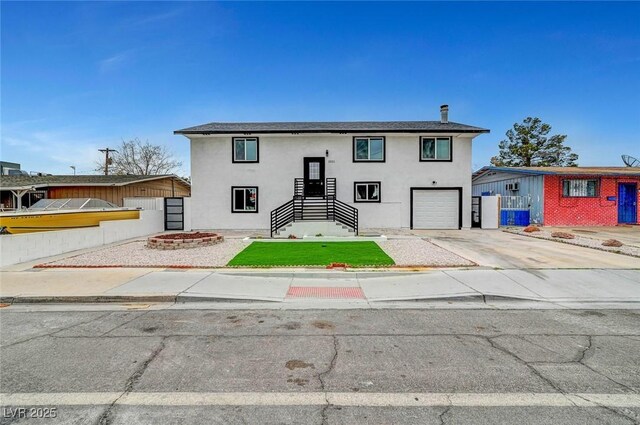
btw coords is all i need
(281, 160)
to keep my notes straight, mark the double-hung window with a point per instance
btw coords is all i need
(244, 199)
(580, 188)
(245, 149)
(435, 149)
(368, 149)
(366, 192)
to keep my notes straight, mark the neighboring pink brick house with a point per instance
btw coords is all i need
(568, 196)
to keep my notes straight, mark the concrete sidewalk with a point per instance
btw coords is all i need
(559, 287)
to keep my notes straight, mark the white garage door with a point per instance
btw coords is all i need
(436, 209)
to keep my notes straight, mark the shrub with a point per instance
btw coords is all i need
(318, 235)
(531, 229)
(292, 236)
(612, 242)
(562, 235)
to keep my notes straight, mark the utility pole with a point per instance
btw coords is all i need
(107, 160)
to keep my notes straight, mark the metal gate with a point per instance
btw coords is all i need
(515, 210)
(173, 213)
(476, 211)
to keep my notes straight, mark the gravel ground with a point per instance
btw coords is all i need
(405, 252)
(580, 241)
(419, 252)
(138, 255)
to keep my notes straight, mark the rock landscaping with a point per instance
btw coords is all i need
(137, 254)
(420, 252)
(183, 240)
(612, 242)
(562, 235)
(610, 245)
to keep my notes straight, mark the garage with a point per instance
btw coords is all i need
(436, 208)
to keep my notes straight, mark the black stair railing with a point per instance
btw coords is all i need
(331, 186)
(326, 208)
(282, 216)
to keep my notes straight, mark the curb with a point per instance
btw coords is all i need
(88, 299)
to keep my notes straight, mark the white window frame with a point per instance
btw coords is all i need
(244, 139)
(368, 139)
(435, 151)
(235, 189)
(366, 184)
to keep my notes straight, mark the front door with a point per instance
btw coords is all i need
(627, 203)
(314, 176)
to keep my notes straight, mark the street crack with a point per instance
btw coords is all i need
(446, 410)
(53, 333)
(583, 353)
(321, 376)
(622, 413)
(530, 367)
(106, 418)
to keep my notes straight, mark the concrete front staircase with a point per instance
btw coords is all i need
(311, 228)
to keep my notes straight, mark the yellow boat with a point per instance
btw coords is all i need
(61, 214)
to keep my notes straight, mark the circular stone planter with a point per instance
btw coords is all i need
(183, 240)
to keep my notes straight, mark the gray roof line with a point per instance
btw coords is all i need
(25, 182)
(331, 127)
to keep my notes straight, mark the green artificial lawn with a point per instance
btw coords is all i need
(311, 254)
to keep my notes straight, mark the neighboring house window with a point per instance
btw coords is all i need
(435, 149)
(245, 149)
(368, 149)
(579, 188)
(244, 199)
(366, 192)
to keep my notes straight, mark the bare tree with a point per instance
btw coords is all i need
(136, 157)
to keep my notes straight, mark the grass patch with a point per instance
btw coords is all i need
(311, 254)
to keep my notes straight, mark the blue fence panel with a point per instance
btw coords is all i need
(515, 217)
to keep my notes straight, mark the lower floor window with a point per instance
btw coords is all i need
(244, 199)
(367, 192)
(579, 188)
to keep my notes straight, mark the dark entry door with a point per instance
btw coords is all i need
(627, 203)
(173, 213)
(476, 211)
(314, 176)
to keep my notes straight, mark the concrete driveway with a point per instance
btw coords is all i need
(495, 248)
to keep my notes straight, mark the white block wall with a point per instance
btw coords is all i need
(24, 247)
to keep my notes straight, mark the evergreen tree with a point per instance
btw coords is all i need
(527, 145)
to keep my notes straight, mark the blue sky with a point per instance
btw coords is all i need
(80, 76)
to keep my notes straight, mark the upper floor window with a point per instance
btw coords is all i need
(245, 149)
(580, 188)
(435, 149)
(368, 149)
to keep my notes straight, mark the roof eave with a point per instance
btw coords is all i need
(220, 132)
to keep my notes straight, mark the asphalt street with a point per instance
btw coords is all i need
(321, 366)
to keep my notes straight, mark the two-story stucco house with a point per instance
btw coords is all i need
(274, 175)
